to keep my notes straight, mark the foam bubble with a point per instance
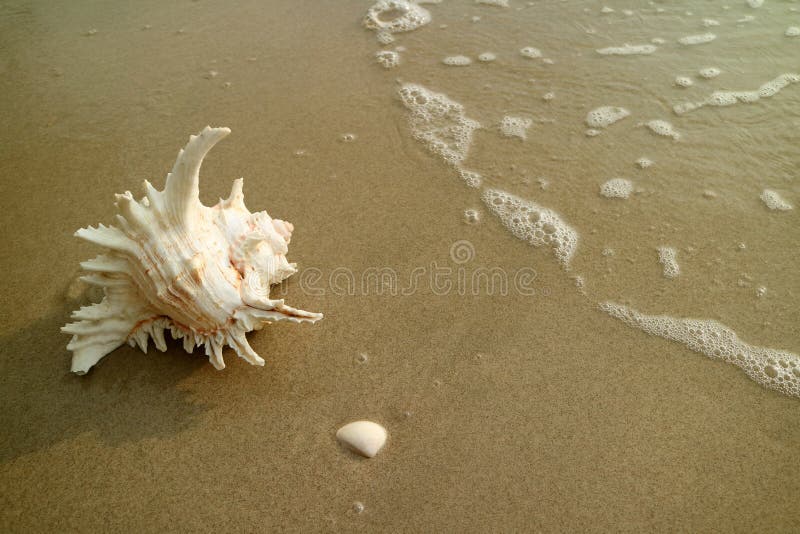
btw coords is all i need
(531, 52)
(547, 97)
(457, 61)
(728, 98)
(668, 258)
(708, 23)
(774, 201)
(605, 116)
(487, 56)
(617, 188)
(471, 216)
(701, 38)
(661, 127)
(385, 37)
(772, 368)
(643, 162)
(709, 72)
(496, 3)
(471, 178)
(410, 16)
(792, 31)
(533, 223)
(591, 132)
(388, 59)
(684, 81)
(658, 40)
(438, 122)
(627, 50)
(755, 3)
(606, 10)
(515, 127)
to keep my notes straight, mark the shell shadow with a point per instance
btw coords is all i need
(129, 396)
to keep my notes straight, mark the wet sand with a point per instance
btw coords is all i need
(517, 412)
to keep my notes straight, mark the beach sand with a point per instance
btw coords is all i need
(516, 412)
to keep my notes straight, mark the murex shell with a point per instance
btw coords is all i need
(203, 273)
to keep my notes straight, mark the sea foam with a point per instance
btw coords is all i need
(697, 39)
(774, 201)
(533, 223)
(605, 116)
(729, 98)
(627, 50)
(668, 258)
(410, 16)
(438, 122)
(774, 369)
(515, 127)
(617, 188)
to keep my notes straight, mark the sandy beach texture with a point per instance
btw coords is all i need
(529, 411)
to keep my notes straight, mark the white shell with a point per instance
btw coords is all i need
(364, 437)
(203, 273)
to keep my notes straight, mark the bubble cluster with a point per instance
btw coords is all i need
(668, 258)
(774, 201)
(755, 3)
(486, 57)
(384, 37)
(684, 81)
(530, 52)
(605, 116)
(617, 188)
(662, 127)
(438, 122)
(533, 223)
(627, 50)
(471, 216)
(644, 163)
(388, 59)
(409, 16)
(515, 127)
(774, 369)
(709, 72)
(792, 31)
(457, 61)
(701, 38)
(471, 178)
(496, 3)
(708, 23)
(728, 98)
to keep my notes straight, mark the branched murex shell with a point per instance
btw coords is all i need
(171, 263)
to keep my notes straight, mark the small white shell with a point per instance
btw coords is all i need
(364, 437)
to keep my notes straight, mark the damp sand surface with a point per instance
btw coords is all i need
(533, 410)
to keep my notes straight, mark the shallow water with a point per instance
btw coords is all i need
(531, 410)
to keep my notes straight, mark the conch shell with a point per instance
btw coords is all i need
(203, 273)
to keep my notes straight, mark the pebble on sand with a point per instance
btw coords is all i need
(363, 437)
